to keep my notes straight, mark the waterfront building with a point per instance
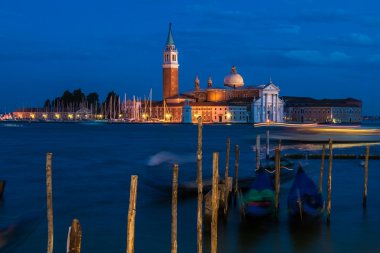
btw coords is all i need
(34, 114)
(310, 110)
(232, 103)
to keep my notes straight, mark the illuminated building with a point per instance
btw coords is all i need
(170, 68)
(310, 110)
(232, 103)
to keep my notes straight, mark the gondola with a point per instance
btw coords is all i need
(258, 201)
(305, 202)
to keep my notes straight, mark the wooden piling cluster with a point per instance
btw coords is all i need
(216, 198)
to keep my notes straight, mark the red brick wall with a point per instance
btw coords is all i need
(170, 82)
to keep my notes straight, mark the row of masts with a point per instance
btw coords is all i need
(113, 109)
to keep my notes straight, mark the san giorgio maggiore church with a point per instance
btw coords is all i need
(233, 103)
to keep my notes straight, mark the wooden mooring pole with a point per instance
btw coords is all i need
(267, 145)
(174, 244)
(322, 167)
(132, 215)
(257, 152)
(277, 181)
(329, 182)
(74, 237)
(49, 200)
(236, 176)
(215, 202)
(226, 188)
(200, 187)
(365, 176)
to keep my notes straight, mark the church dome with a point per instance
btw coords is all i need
(233, 80)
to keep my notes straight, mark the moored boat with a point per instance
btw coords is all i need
(305, 202)
(258, 201)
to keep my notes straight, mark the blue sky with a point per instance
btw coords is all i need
(309, 48)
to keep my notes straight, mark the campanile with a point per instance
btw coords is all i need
(170, 67)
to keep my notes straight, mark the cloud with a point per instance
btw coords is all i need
(353, 40)
(305, 56)
(374, 59)
(328, 16)
(316, 57)
(213, 12)
(360, 39)
(287, 29)
(337, 56)
(367, 20)
(46, 56)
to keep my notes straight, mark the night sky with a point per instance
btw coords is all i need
(322, 49)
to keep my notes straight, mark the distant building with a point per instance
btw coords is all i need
(170, 68)
(310, 110)
(43, 114)
(233, 103)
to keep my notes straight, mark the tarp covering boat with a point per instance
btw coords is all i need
(305, 202)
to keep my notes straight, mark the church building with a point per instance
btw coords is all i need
(232, 103)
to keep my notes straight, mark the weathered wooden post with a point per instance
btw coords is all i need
(226, 188)
(132, 215)
(215, 202)
(200, 187)
(267, 146)
(365, 176)
(277, 181)
(329, 182)
(49, 200)
(74, 238)
(257, 152)
(174, 209)
(2, 187)
(322, 167)
(236, 173)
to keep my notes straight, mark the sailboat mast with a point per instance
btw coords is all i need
(150, 103)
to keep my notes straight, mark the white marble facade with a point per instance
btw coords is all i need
(269, 107)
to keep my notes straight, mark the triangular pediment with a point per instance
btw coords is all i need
(271, 86)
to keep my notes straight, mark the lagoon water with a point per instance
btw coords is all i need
(92, 165)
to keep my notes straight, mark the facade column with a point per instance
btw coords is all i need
(261, 108)
(272, 113)
(266, 108)
(277, 110)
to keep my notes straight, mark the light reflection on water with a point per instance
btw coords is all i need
(92, 165)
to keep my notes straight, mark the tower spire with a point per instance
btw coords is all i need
(169, 40)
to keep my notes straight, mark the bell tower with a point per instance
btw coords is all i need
(170, 67)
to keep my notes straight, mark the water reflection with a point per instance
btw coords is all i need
(304, 236)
